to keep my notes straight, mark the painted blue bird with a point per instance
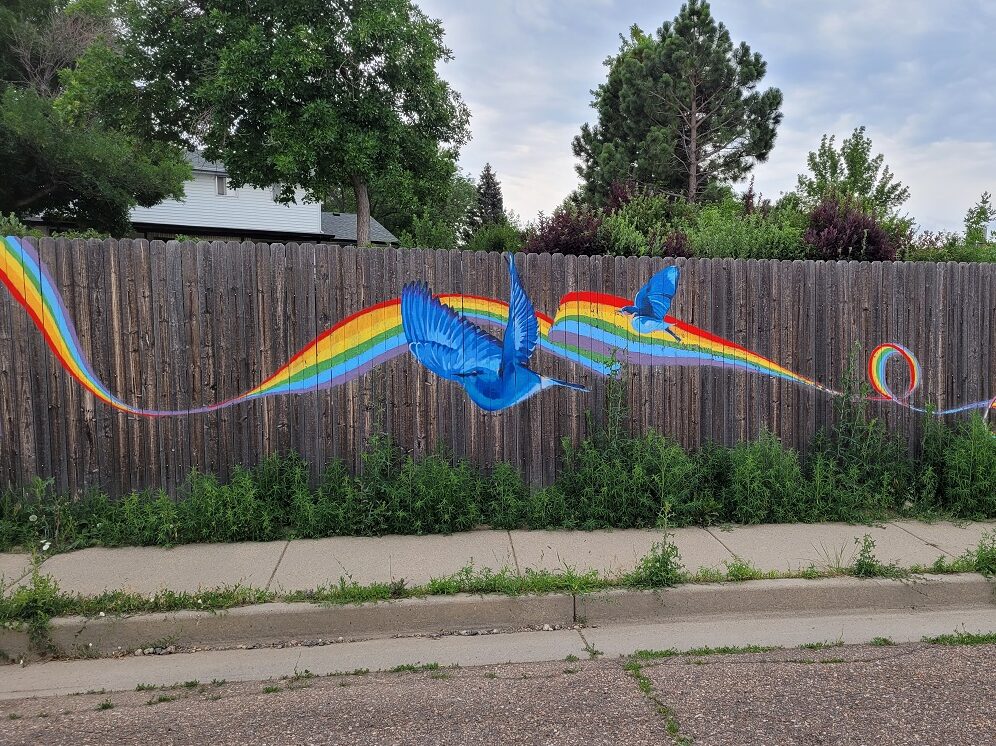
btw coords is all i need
(653, 302)
(493, 373)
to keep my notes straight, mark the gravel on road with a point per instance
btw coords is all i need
(916, 695)
(553, 703)
(897, 695)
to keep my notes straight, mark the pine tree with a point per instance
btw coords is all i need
(680, 111)
(490, 206)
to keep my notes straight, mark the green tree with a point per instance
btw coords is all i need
(679, 111)
(63, 159)
(440, 224)
(489, 208)
(977, 220)
(440, 195)
(852, 174)
(321, 94)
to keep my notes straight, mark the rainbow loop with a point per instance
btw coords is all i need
(877, 364)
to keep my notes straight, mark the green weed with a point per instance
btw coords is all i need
(963, 638)
(161, 699)
(414, 667)
(698, 652)
(646, 686)
(867, 565)
(855, 471)
(660, 568)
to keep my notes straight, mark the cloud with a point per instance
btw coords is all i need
(916, 72)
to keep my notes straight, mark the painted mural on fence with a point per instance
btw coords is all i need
(451, 335)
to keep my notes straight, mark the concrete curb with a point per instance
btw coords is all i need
(282, 622)
(829, 595)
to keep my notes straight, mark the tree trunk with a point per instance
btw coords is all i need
(362, 211)
(693, 153)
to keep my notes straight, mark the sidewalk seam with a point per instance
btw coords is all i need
(11, 582)
(720, 541)
(920, 538)
(515, 559)
(277, 566)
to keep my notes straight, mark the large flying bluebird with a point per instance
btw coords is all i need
(493, 373)
(653, 302)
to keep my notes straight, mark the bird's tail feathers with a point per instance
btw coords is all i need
(550, 382)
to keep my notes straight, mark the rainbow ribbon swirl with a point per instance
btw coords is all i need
(587, 329)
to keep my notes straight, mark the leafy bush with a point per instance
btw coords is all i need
(859, 471)
(622, 237)
(10, 225)
(856, 471)
(838, 230)
(765, 483)
(570, 230)
(85, 234)
(961, 462)
(723, 230)
(400, 495)
(506, 498)
(660, 568)
(648, 224)
(676, 244)
(498, 237)
(657, 213)
(429, 232)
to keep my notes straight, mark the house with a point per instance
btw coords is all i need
(213, 210)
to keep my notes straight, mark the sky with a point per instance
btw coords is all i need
(917, 73)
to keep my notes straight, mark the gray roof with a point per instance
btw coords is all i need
(199, 163)
(342, 226)
(339, 226)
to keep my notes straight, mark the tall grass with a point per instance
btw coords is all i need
(856, 471)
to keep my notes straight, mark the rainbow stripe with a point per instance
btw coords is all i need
(592, 325)
(879, 359)
(587, 329)
(877, 362)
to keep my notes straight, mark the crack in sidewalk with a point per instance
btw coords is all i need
(277, 566)
(720, 542)
(515, 559)
(920, 538)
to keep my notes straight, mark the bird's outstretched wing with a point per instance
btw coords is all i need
(522, 330)
(443, 341)
(654, 298)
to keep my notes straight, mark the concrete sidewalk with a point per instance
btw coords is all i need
(307, 564)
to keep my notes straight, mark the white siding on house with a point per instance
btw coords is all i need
(243, 209)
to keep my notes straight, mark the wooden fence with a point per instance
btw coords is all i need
(175, 326)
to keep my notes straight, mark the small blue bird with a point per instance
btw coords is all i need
(653, 302)
(493, 373)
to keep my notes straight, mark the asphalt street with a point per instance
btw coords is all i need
(904, 694)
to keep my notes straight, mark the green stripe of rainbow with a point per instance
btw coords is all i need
(587, 329)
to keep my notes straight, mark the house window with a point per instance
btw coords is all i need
(275, 190)
(221, 185)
